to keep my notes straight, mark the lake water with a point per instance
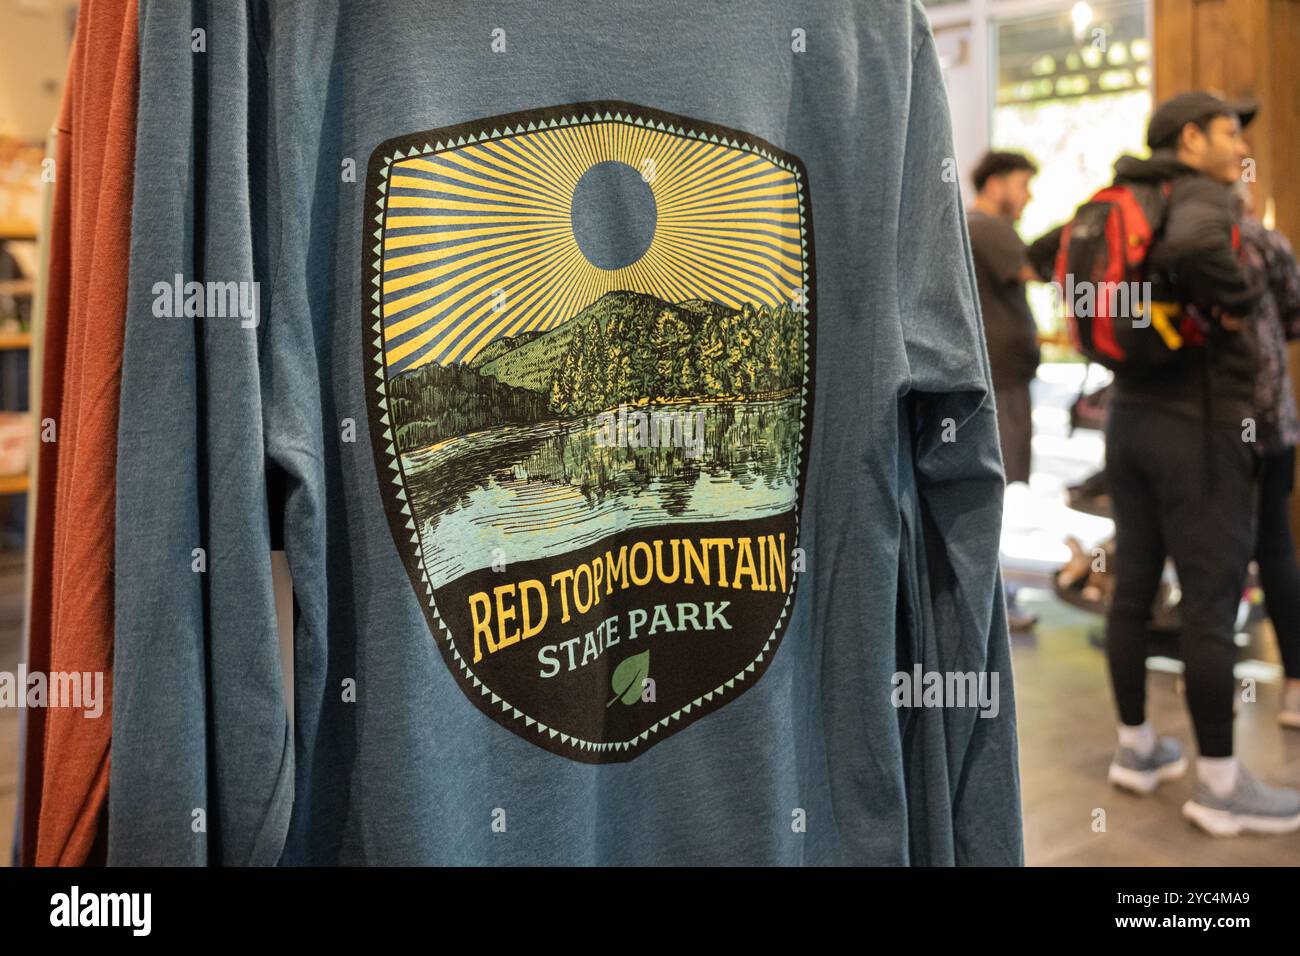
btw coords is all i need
(538, 490)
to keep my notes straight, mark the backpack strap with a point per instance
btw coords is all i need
(1153, 198)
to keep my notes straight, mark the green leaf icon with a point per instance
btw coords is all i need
(629, 677)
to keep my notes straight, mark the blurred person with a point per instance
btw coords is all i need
(1002, 267)
(1267, 254)
(1183, 477)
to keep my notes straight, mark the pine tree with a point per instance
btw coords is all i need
(642, 355)
(773, 352)
(663, 340)
(710, 356)
(581, 387)
(596, 362)
(568, 377)
(687, 381)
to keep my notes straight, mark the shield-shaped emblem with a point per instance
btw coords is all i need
(589, 336)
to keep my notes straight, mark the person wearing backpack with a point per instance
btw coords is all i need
(1182, 473)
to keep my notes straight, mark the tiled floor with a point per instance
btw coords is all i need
(1067, 737)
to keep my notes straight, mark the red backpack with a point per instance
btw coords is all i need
(1119, 315)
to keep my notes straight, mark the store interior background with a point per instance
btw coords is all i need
(1038, 77)
(35, 39)
(1028, 75)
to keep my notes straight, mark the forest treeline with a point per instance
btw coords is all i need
(708, 354)
(623, 349)
(436, 402)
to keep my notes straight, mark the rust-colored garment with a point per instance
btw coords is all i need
(71, 630)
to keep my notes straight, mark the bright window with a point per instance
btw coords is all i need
(1072, 89)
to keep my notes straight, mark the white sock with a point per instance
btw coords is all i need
(1140, 739)
(1217, 773)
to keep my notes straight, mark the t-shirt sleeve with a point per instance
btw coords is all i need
(963, 761)
(999, 249)
(202, 751)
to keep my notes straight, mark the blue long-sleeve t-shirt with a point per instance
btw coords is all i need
(618, 373)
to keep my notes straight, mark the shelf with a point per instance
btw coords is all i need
(15, 340)
(13, 484)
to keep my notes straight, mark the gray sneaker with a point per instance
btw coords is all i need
(1129, 771)
(1252, 807)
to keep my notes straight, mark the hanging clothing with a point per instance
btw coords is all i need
(633, 515)
(66, 749)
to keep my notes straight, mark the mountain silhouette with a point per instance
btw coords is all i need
(530, 360)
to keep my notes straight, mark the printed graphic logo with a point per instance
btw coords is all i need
(589, 339)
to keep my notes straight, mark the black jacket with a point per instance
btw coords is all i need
(1194, 255)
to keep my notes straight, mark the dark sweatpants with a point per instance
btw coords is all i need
(1015, 427)
(1165, 503)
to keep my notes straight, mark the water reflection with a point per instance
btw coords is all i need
(543, 489)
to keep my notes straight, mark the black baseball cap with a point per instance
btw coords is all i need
(1176, 112)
